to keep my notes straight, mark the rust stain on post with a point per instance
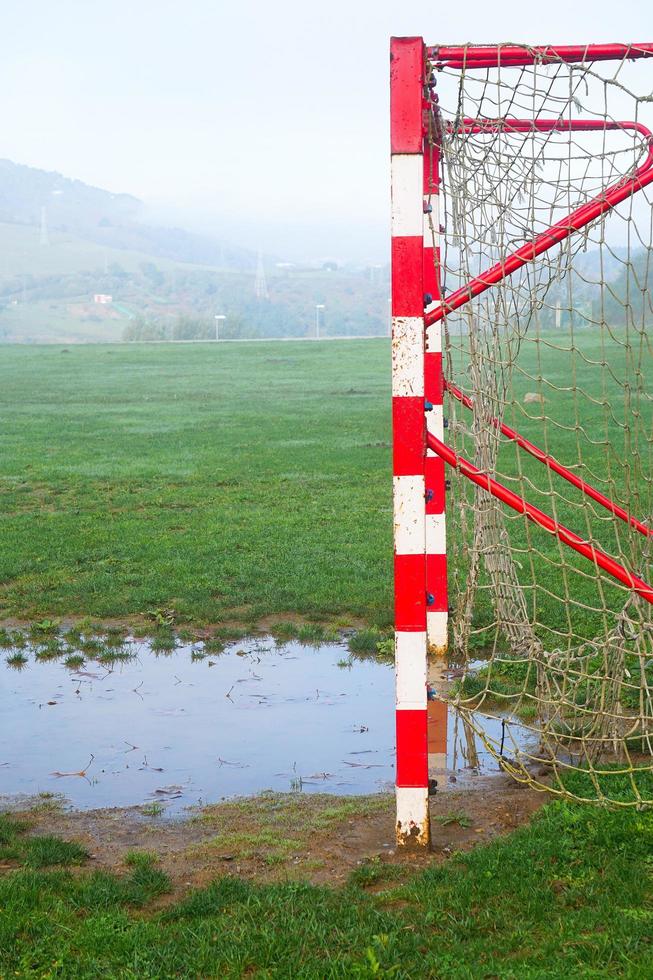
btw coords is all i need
(414, 836)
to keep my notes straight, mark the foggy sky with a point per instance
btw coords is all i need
(262, 122)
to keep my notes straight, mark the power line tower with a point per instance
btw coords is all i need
(260, 283)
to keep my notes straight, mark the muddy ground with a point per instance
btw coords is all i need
(276, 837)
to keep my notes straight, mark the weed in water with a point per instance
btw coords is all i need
(6, 639)
(311, 634)
(284, 631)
(214, 645)
(365, 641)
(17, 660)
(163, 641)
(74, 661)
(50, 649)
(112, 655)
(154, 809)
(92, 646)
(114, 636)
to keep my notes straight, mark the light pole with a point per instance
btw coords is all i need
(218, 317)
(318, 307)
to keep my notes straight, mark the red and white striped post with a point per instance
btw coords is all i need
(436, 541)
(407, 104)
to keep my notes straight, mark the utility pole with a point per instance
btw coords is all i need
(318, 307)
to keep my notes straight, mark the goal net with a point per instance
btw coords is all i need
(544, 256)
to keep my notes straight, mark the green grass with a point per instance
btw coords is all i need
(186, 478)
(570, 895)
(207, 483)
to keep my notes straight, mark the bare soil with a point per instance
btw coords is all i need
(276, 837)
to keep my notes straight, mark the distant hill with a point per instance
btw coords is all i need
(111, 220)
(77, 265)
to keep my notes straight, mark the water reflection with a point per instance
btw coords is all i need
(184, 727)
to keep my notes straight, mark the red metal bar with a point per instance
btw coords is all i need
(595, 555)
(562, 229)
(554, 465)
(512, 55)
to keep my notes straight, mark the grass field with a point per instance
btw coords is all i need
(227, 482)
(232, 483)
(240, 481)
(570, 895)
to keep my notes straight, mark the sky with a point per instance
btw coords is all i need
(264, 123)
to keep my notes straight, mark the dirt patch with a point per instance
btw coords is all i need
(278, 837)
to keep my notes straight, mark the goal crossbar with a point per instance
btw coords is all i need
(515, 55)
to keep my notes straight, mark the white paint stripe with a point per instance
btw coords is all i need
(434, 333)
(408, 501)
(435, 425)
(410, 670)
(413, 811)
(407, 356)
(436, 537)
(436, 629)
(407, 199)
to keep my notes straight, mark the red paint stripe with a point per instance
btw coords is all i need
(433, 380)
(410, 593)
(408, 436)
(436, 582)
(434, 480)
(412, 748)
(407, 267)
(406, 88)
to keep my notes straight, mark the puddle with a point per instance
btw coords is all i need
(181, 730)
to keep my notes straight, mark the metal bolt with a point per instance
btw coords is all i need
(428, 496)
(428, 406)
(445, 423)
(428, 299)
(427, 207)
(430, 599)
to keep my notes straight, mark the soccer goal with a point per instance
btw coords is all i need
(522, 384)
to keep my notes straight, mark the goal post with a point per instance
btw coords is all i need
(521, 250)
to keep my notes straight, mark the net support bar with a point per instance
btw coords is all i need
(506, 496)
(554, 465)
(562, 229)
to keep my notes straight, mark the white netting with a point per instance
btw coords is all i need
(560, 352)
